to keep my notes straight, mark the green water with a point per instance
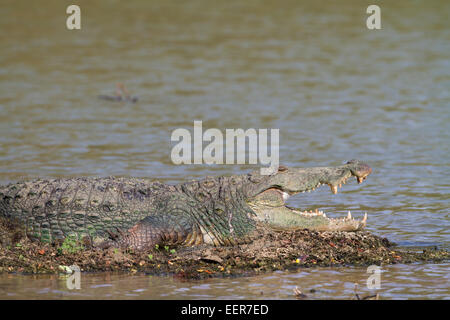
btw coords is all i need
(335, 89)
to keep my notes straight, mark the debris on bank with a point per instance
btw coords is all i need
(270, 251)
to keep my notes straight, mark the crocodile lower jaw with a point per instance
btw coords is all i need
(347, 223)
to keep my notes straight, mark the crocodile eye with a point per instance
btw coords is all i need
(282, 169)
(255, 178)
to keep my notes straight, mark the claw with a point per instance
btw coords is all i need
(360, 179)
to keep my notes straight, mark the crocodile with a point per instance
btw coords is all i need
(140, 214)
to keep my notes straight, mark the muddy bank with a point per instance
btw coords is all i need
(270, 251)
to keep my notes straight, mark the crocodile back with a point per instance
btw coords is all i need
(52, 209)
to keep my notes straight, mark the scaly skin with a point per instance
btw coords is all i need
(138, 213)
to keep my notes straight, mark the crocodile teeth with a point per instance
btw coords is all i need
(364, 220)
(334, 189)
(360, 179)
(349, 215)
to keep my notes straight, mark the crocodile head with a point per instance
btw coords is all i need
(266, 196)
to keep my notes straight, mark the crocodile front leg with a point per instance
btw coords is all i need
(169, 224)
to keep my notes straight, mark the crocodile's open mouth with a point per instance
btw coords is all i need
(316, 213)
(270, 206)
(285, 195)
